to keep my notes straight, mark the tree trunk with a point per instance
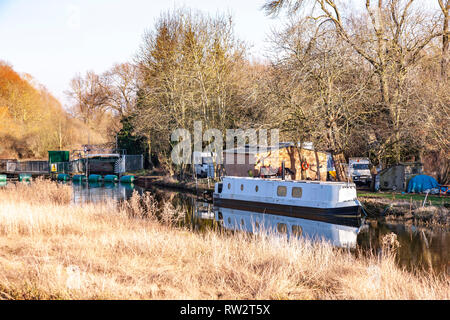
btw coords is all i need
(339, 162)
(149, 143)
(300, 157)
(317, 164)
(445, 39)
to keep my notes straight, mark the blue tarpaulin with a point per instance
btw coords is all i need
(421, 183)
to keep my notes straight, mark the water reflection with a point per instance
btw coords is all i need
(338, 235)
(419, 247)
(203, 210)
(199, 212)
(96, 191)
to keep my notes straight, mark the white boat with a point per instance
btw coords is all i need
(331, 202)
(338, 235)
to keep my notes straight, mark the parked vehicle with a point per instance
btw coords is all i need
(359, 170)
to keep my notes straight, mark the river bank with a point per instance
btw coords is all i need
(53, 249)
(408, 212)
(396, 207)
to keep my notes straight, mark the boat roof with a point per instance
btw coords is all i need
(298, 181)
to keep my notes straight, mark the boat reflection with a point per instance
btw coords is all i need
(204, 210)
(338, 235)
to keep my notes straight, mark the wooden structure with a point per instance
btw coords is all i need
(102, 165)
(256, 161)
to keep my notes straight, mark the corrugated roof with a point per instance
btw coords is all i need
(254, 149)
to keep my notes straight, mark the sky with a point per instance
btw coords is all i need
(53, 40)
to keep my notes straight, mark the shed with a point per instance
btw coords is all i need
(396, 177)
(58, 156)
(267, 160)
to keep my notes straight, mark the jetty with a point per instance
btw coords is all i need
(65, 165)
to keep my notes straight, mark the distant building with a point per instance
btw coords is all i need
(397, 177)
(258, 161)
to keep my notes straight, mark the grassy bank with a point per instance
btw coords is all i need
(395, 196)
(407, 208)
(51, 249)
(201, 186)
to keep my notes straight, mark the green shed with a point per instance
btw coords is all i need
(58, 156)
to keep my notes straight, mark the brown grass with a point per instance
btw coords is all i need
(52, 249)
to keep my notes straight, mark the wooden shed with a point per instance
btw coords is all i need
(258, 161)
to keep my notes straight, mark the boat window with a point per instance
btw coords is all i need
(242, 222)
(297, 230)
(256, 189)
(281, 227)
(229, 220)
(242, 187)
(296, 192)
(281, 191)
(229, 186)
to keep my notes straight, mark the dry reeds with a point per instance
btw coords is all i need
(51, 249)
(41, 191)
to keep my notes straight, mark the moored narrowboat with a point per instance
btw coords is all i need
(332, 202)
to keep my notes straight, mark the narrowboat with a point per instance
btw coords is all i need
(330, 202)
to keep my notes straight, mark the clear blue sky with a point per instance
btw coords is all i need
(55, 39)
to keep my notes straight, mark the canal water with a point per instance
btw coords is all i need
(419, 247)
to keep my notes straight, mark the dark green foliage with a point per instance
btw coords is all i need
(132, 143)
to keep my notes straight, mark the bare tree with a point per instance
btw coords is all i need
(121, 86)
(445, 7)
(321, 86)
(90, 94)
(392, 43)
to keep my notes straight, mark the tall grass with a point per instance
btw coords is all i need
(52, 249)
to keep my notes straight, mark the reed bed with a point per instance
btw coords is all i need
(53, 249)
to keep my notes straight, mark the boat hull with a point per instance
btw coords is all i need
(349, 215)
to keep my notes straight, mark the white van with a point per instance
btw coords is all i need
(359, 169)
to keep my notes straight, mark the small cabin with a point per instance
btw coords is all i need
(259, 161)
(397, 177)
